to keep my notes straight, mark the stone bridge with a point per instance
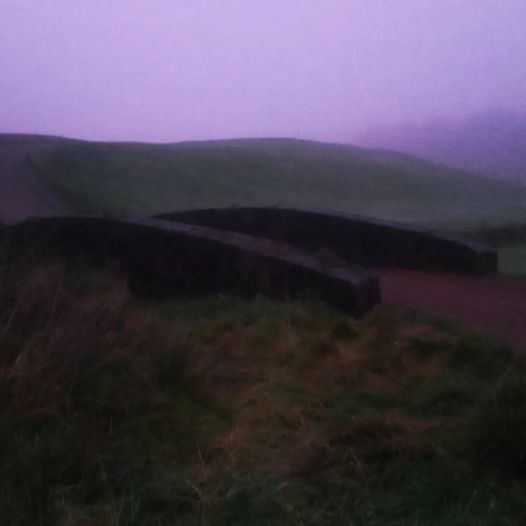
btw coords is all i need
(162, 258)
(282, 253)
(354, 239)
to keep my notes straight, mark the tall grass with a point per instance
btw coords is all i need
(227, 411)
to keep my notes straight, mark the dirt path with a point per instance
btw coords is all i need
(493, 305)
(22, 195)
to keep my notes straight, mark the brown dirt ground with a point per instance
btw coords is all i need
(496, 306)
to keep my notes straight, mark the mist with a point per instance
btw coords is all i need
(173, 70)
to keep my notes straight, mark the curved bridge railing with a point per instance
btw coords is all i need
(165, 258)
(354, 239)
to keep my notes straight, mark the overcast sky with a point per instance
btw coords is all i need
(169, 70)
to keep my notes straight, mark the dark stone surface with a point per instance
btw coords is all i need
(165, 258)
(3, 254)
(354, 239)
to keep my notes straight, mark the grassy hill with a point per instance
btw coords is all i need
(144, 178)
(226, 411)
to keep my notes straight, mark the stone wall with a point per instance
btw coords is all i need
(355, 239)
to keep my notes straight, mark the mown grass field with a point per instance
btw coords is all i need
(222, 411)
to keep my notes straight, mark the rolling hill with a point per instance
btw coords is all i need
(491, 143)
(150, 179)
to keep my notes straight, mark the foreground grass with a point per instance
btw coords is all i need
(226, 411)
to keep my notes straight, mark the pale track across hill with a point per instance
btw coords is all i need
(22, 194)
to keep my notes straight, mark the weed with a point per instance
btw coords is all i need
(229, 411)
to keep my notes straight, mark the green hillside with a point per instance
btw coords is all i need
(145, 178)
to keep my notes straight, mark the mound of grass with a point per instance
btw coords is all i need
(227, 411)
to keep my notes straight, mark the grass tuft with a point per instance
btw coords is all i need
(228, 411)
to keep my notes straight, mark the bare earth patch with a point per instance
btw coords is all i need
(493, 305)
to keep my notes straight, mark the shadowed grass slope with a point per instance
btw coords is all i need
(152, 179)
(226, 411)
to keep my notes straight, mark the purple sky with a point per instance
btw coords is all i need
(168, 70)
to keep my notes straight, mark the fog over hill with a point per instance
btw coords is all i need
(491, 143)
